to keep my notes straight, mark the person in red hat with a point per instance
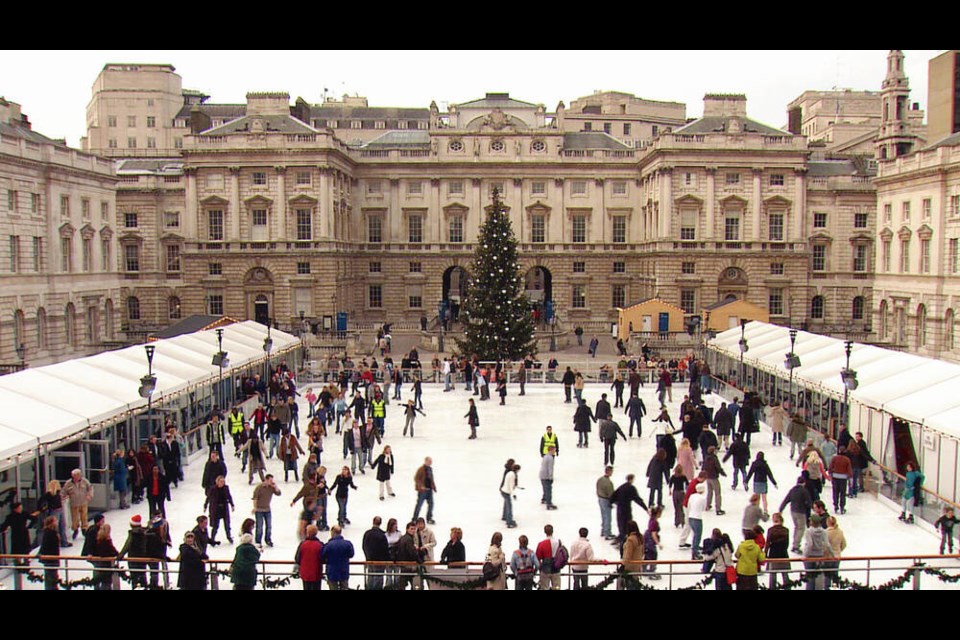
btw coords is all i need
(136, 547)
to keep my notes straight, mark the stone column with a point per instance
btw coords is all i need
(392, 226)
(666, 203)
(710, 224)
(234, 234)
(434, 217)
(280, 205)
(799, 211)
(191, 221)
(324, 202)
(757, 205)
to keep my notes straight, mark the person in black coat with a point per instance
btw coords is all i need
(50, 546)
(748, 417)
(624, 496)
(220, 503)
(201, 535)
(657, 472)
(454, 551)
(19, 524)
(635, 409)
(384, 465)
(568, 379)
(581, 423)
(193, 573)
(669, 445)
(375, 549)
(617, 387)
(707, 439)
(723, 423)
(603, 411)
(740, 452)
(211, 470)
(691, 428)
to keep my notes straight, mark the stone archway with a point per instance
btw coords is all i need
(258, 284)
(732, 284)
(538, 284)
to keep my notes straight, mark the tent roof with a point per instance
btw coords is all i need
(47, 404)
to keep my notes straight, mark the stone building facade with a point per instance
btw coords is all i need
(58, 247)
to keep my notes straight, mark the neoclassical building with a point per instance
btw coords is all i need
(61, 292)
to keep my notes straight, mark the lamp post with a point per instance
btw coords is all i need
(148, 385)
(267, 348)
(22, 354)
(849, 377)
(743, 349)
(792, 362)
(553, 326)
(220, 360)
(441, 310)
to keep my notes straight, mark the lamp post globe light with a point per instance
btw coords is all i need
(791, 362)
(850, 383)
(148, 384)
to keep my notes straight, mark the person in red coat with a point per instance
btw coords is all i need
(308, 558)
(841, 470)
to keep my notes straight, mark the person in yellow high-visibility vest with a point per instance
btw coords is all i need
(236, 420)
(547, 440)
(378, 411)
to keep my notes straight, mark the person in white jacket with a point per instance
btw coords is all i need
(581, 551)
(507, 487)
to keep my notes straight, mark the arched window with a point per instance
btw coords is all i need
(816, 308)
(857, 310)
(133, 308)
(921, 325)
(70, 322)
(948, 331)
(173, 308)
(42, 341)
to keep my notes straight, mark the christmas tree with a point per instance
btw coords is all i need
(496, 314)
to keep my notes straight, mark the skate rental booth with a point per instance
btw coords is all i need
(75, 414)
(907, 406)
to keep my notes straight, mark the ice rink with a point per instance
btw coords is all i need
(468, 475)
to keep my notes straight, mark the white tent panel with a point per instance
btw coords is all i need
(82, 398)
(925, 402)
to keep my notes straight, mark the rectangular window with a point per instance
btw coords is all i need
(888, 213)
(37, 253)
(655, 130)
(178, 143)
(954, 255)
(578, 187)
(579, 296)
(215, 304)
(66, 255)
(35, 203)
(111, 121)
(688, 223)
(415, 300)
(259, 178)
(860, 220)
(86, 248)
(607, 127)
(173, 258)
(455, 229)
(215, 268)
(14, 254)
(619, 267)
(104, 211)
(688, 300)
(303, 177)
(689, 179)
(538, 188)
(85, 208)
(619, 296)
(905, 211)
(619, 229)
(304, 224)
(954, 206)
(415, 228)
(374, 267)
(151, 143)
(112, 143)
(538, 228)
(259, 217)
(885, 255)
(64, 206)
(579, 229)
(927, 208)
(215, 224)
(924, 256)
(171, 219)
(375, 296)
(619, 187)
(579, 267)
(105, 257)
(498, 187)
(130, 220)
(776, 180)
(588, 126)
(860, 257)
(905, 255)
(131, 258)
(731, 227)
(416, 267)
(151, 122)
(131, 142)
(819, 253)
(626, 128)
(375, 229)
(776, 227)
(332, 124)
(303, 268)
(414, 188)
(776, 268)
(819, 220)
(379, 124)
(374, 186)
(455, 188)
(688, 268)
(131, 121)
(776, 302)
(732, 178)
(356, 124)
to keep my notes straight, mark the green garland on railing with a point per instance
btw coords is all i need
(267, 581)
(89, 582)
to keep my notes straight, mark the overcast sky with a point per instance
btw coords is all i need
(55, 87)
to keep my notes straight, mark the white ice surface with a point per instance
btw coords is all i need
(468, 474)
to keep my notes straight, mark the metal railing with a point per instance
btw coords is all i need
(852, 572)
